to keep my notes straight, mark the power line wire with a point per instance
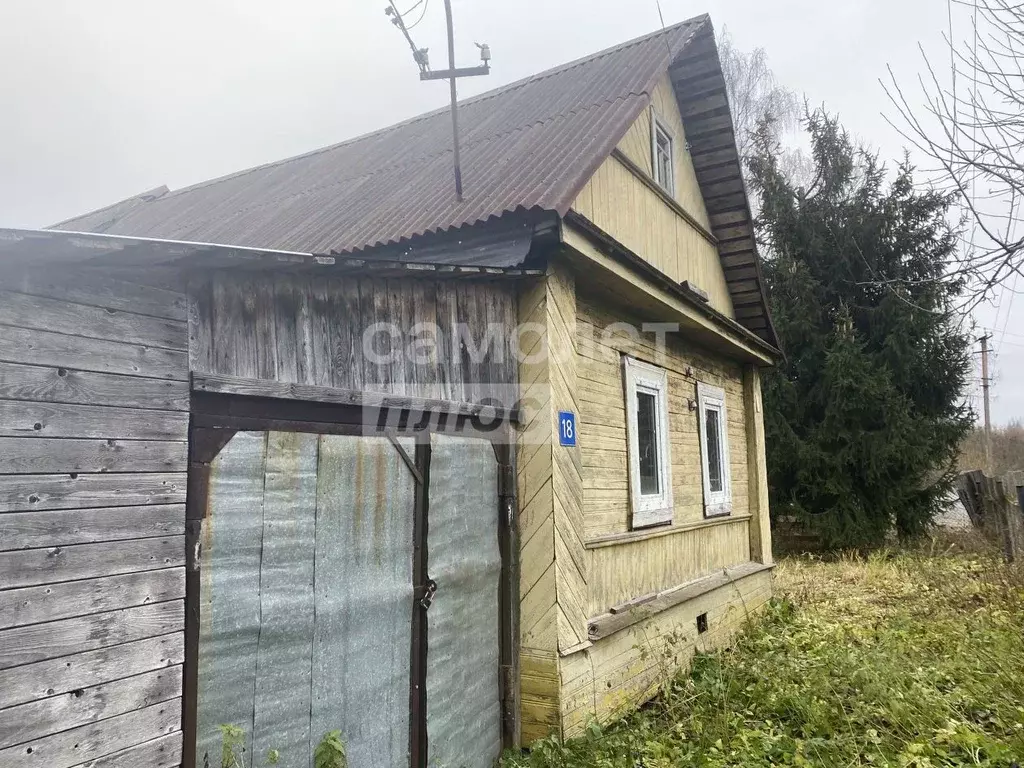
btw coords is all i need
(423, 13)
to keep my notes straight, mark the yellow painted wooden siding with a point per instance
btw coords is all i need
(554, 560)
(621, 671)
(538, 651)
(602, 429)
(636, 145)
(622, 205)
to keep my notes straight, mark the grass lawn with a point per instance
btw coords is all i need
(906, 658)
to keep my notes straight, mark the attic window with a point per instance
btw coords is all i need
(661, 155)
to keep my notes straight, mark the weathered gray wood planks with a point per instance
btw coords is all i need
(87, 742)
(97, 289)
(94, 400)
(23, 311)
(81, 670)
(87, 705)
(36, 642)
(20, 493)
(28, 419)
(35, 347)
(48, 384)
(82, 561)
(32, 605)
(26, 530)
(417, 338)
(164, 752)
(30, 455)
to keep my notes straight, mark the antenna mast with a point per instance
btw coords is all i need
(452, 74)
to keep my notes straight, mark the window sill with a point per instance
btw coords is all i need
(613, 539)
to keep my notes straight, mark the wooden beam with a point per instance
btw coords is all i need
(234, 385)
(609, 623)
(614, 539)
(757, 480)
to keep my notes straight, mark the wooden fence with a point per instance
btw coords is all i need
(996, 507)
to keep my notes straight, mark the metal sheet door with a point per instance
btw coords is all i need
(305, 600)
(464, 728)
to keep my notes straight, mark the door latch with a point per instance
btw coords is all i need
(428, 595)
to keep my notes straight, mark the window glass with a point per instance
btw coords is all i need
(663, 158)
(714, 432)
(647, 442)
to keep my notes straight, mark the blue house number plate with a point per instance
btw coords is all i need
(566, 428)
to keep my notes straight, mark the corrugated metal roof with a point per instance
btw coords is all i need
(529, 145)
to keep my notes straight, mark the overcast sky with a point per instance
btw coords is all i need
(102, 99)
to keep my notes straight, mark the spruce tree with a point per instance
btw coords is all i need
(864, 417)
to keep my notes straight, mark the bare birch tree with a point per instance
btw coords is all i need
(756, 97)
(970, 126)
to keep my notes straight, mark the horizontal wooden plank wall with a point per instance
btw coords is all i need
(620, 671)
(94, 400)
(305, 330)
(606, 676)
(626, 208)
(602, 429)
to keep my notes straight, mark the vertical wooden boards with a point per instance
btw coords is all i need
(94, 400)
(364, 598)
(229, 612)
(463, 688)
(627, 209)
(283, 656)
(449, 340)
(760, 523)
(572, 564)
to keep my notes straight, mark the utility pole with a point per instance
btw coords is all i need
(452, 74)
(985, 390)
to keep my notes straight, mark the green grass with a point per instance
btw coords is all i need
(910, 659)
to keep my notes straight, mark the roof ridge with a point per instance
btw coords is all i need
(557, 69)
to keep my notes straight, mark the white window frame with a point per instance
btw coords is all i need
(718, 503)
(648, 509)
(669, 185)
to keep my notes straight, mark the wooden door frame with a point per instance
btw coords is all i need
(216, 418)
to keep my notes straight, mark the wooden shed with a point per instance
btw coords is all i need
(317, 447)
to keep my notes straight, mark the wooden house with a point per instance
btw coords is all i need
(317, 447)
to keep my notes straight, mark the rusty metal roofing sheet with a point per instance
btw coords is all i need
(528, 145)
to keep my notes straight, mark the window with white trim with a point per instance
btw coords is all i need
(650, 477)
(662, 155)
(714, 450)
